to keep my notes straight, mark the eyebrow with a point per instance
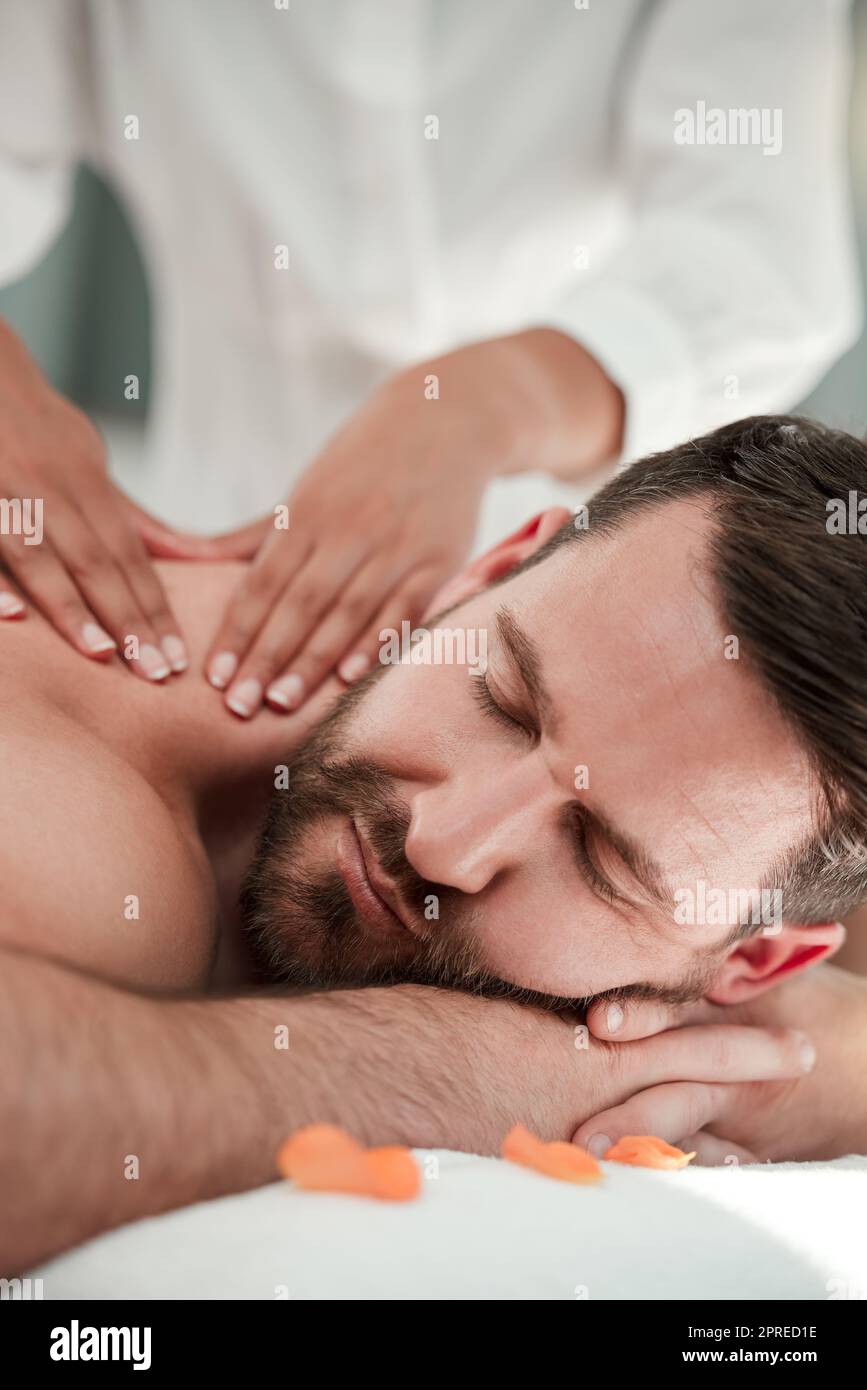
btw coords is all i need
(524, 656)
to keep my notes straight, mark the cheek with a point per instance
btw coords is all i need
(535, 935)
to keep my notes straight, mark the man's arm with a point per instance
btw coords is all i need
(115, 1106)
(194, 1097)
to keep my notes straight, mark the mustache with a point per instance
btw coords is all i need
(357, 788)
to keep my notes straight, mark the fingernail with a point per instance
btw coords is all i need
(599, 1145)
(245, 698)
(287, 693)
(808, 1056)
(10, 606)
(153, 663)
(175, 653)
(353, 666)
(96, 639)
(222, 669)
(613, 1018)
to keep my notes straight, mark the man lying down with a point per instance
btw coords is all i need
(452, 864)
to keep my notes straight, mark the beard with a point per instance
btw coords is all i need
(299, 918)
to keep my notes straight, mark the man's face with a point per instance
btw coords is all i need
(531, 825)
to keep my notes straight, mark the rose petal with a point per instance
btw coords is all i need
(646, 1151)
(566, 1162)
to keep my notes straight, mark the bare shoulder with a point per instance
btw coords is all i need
(95, 871)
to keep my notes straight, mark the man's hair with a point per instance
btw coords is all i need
(793, 590)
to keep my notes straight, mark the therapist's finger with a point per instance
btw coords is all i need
(47, 584)
(12, 605)
(170, 544)
(294, 616)
(328, 640)
(641, 1018)
(278, 561)
(348, 639)
(110, 523)
(104, 587)
(407, 604)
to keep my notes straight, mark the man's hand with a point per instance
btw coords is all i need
(808, 1118)
(88, 571)
(388, 510)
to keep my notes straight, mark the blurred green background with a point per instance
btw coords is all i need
(85, 306)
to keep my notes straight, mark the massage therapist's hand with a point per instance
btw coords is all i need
(77, 552)
(821, 1114)
(388, 510)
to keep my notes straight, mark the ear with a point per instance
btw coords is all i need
(500, 559)
(762, 961)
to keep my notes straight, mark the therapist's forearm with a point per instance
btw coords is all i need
(542, 402)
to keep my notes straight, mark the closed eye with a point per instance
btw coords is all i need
(483, 697)
(596, 881)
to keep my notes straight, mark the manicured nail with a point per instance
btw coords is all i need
(598, 1146)
(613, 1018)
(353, 666)
(222, 669)
(96, 639)
(287, 693)
(175, 653)
(153, 664)
(246, 698)
(808, 1056)
(10, 606)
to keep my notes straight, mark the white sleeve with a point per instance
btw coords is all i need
(44, 114)
(737, 285)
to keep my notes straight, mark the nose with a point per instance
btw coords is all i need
(466, 830)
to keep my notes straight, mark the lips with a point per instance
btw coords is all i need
(373, 897)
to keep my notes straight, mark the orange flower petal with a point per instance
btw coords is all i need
(394, 1174)
(325, 1158)
(567, 1162)
(646, 1151)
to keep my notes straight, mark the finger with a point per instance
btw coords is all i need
(273, 571)
(47, 584)
(293, 619)
(719, 1052)
(668, 1112)
(641, 1018)
(109, 520)
(103, 586)
(407, 604)
(341, 628)
(12, 606)
(170, 544)
(712, 1152)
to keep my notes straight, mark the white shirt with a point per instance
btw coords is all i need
(711, 281)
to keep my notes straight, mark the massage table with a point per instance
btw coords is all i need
(486, 1229)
